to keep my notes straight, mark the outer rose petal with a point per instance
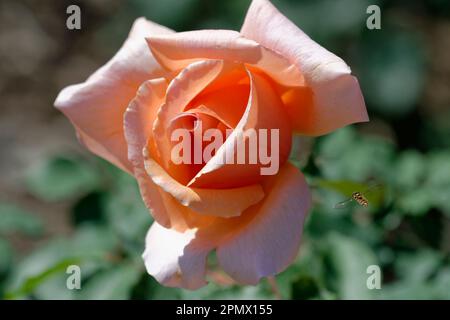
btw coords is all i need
(261, 242)
(174, 259)
(213, 202)
(177, 50)
(96, 106)
(268, 243)
(336, 99)
(142, 111)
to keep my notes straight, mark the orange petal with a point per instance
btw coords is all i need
(335, 99)
(139, 116)
(234, 97)
(96, 107)
(264, 111)
(174, 258)
(259, 243)
(182, 89)
(268, 241)
(215, 202)
(180, 49)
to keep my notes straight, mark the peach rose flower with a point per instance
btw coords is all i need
(268, 75)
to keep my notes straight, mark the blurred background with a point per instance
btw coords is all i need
(60, 205)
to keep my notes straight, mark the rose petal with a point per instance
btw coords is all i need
(138, 118)
(336, 98)
(267, 243)
(175, 259)
(259, 243)
(326, 107)
(176, 51)
(96, 106)
(140, 113)
(264, 111)
(227, 108)
(182, 89)
(215, 202)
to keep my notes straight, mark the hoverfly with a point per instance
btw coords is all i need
(357, 196)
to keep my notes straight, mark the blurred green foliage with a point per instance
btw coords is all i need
(405, 230)
(401, 231)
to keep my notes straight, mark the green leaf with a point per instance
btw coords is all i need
(373, 192)
(112, 284)
(417, 266)
(441, 284)
(423, 182)
(37, 263)
(14, 219)
(93, 241)
(33, 282)
(401, 290)
(348, 260)
(344, 187)
(60, 178)
(409, 287)
(347, 155)
(415, 202)
(92, 247)
(410, 169)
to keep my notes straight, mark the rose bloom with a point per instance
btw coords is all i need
(268, 75)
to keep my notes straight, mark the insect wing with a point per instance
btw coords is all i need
(372, 188)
